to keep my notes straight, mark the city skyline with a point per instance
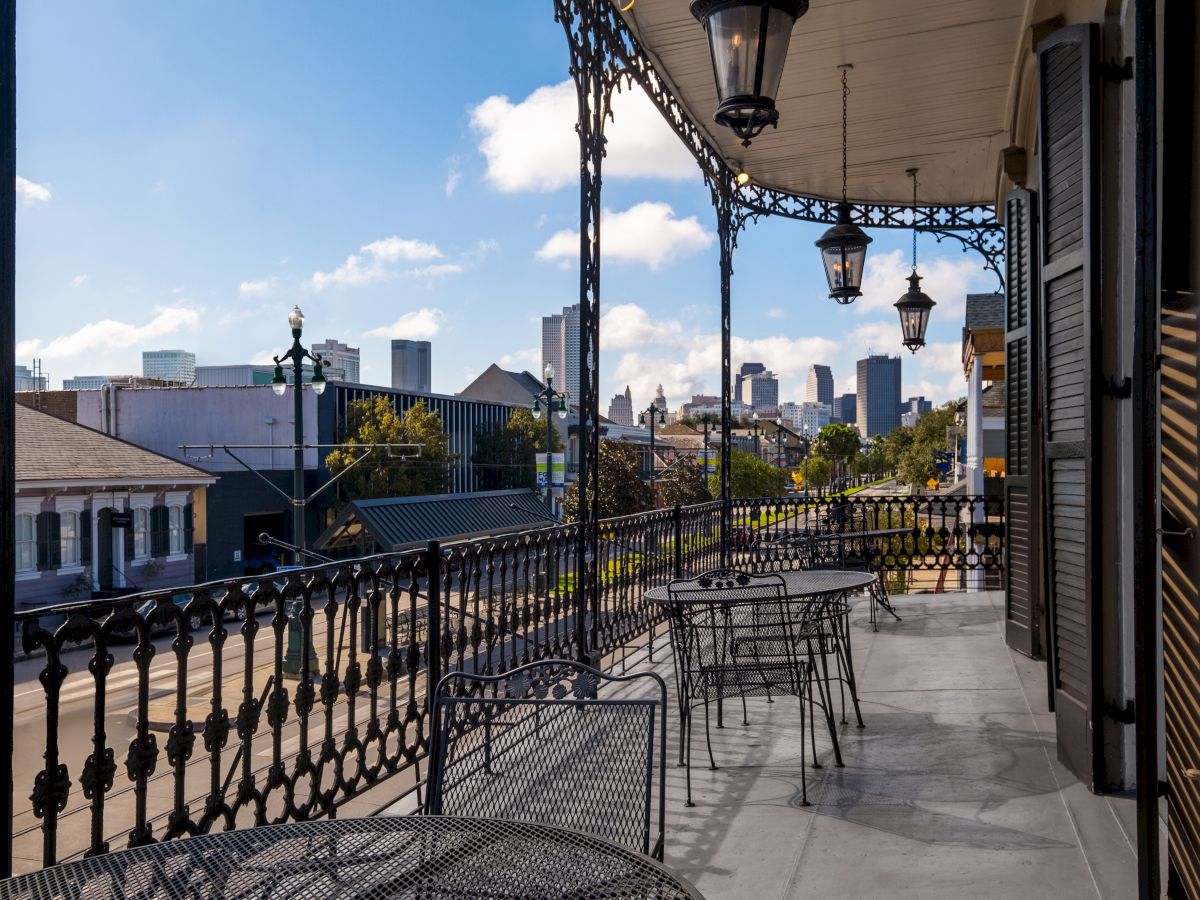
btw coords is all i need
(465, 235)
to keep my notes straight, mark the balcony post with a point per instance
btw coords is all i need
(729, 221)
(8, 213)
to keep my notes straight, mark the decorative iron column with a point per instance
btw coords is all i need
(594, 82)
(8, 215)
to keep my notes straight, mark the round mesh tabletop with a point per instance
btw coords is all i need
(380, 857)
(800, 584)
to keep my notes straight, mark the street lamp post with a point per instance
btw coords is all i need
(780, 431)
(654, 414)
(807, 442)
(706, 420)
(548, 395)
(755, 430)
(297, 354)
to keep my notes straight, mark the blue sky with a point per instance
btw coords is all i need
(189, 170)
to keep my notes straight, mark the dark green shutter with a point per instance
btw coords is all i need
(43, 530)
(129, 547)
(1069, 130)
(188, 529)
(159, 536)
(85, 538)
(54, 544)
(1024, 607)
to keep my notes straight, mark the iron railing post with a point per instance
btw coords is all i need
(678, 522)
(433, 618)
(8, 214)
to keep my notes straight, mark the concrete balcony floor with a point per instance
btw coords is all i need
(952, 790)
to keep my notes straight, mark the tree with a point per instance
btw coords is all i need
(838, 444)
(504, 454)
(386, 474)
(684, 483)
(899, 439)
(929, 434)
(622, 491)
(749, 477)
(819, 470)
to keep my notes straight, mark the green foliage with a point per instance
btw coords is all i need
(873, 459)
(749, 477)
(929, 434)
(685, 483)
(622, 491)
(819, 471)
(374, 421)
(505, 452)
(896, 443)
(837, 443)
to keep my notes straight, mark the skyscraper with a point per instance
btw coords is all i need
(169, 365)
(845, 409)
(560, 348)
(913, 408)
(411, 363)
(620, 411)
(820, 385)
(878, 402)
(29, 381)
(745, 373)
(764, 393)
(339, 356)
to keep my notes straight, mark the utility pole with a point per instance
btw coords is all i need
(549, 395)
(654, 414)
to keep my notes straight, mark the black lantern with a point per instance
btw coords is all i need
(844, 253)
(748, 41)
(914, 309)
(915, 305)
(844, 246)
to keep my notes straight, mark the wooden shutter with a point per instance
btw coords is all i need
(47, 538)
(85, 538)
(188, 529)
(1024, 604)
(160, 536)
(1068, 136)
(129, 546)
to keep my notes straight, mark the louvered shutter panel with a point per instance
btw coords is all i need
(44, 539)
(129, 544)
(159, 531)
(85, 538)
(1069, 131)
(1024, 607)
(188, 529)
(54, 542)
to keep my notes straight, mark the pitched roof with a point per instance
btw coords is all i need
(50, 449)
(984, 311)
(397, 522)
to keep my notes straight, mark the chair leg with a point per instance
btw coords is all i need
(806, 687)
(842, 645)
(803, 767)
(826, 691)
(688, 763)
(712, 762)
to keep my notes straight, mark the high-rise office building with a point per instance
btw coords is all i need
(912, 409)
(820, 385)
(339, 356)
(845, 409)
(169, 365)
(28, 381)
(745, 373)
(560, 348)
(764, 393)
(620, 411)
(85, 383)
(411, 366)
(878, 402)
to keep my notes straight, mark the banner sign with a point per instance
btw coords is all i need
(558, 470)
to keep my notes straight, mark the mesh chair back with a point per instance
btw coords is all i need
(736, 635)
(554, 742)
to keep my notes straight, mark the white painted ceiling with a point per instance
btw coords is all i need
(929, 89)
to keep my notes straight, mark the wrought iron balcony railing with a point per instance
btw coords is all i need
(299, 692)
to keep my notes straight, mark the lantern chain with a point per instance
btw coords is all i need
(913, 174)
(845, 116)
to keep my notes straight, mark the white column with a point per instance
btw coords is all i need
(975, 456)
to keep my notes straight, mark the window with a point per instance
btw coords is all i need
(176, 530)
(26, 543)
(141, 533)
(68, 538)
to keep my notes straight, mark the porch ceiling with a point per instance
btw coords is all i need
(929, 88)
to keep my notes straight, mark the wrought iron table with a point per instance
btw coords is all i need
(801, 585)
(372, 859)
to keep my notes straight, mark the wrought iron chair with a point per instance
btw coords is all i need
(548, 742)
(734, 634)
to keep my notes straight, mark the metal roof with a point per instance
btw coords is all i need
(399, 522)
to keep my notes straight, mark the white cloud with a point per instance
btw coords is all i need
(530, 356)
(531, 145)
(946, 280)
(374, 262)
(109, 334)
(648, 233)
(627, 326)
(256, 288)
(30, 192)
(419, 325)
(776, 312)
(452, 180)
(79, 280)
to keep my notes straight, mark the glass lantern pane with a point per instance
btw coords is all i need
(733, 37)
(844, 266)
(779, 35)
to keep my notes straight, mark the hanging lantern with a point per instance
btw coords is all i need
(915, 305)
(844, 246)
(748, 41)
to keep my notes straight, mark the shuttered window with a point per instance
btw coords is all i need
(1069, 226)
(68, 539)
(1022, 496)
(140, 533)
(26, 543)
